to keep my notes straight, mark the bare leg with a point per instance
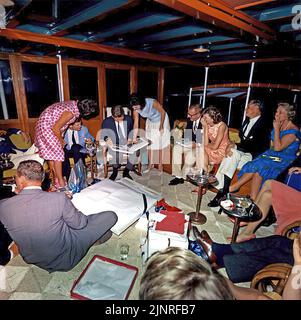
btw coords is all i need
(256, 183)
(58, 173)
(206, 161)
(244, 179)
(264, 202)
(199, 157)
(166, 156)
(150, 158)
(51, 172)
(160, 165)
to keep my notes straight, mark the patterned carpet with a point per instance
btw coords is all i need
(24, 281)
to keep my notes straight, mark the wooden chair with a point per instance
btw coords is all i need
(273, 277)
(104, 157)
(108, 166)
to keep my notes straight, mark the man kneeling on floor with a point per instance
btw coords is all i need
(49, 231)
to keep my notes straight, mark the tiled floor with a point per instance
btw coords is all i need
(25, 281)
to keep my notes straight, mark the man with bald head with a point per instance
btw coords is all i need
(48, 230)
(193, 134)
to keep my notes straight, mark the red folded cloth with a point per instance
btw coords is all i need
(167, 207)
(174, 222)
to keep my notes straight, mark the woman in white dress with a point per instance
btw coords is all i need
(157, 128)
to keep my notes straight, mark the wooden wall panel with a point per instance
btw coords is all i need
(20, 97)
(161, 86)
(28, 124)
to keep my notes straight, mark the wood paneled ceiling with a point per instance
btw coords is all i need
(165, 31)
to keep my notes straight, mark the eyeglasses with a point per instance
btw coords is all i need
(192, 115)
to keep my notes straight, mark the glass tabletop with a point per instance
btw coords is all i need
(201, 179)
(241, 207)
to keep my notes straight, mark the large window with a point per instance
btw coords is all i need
(229, 73)
(148, 84)
(282, 72)
(83, 83)
(41, 86)
(118, 86)
(8, 108)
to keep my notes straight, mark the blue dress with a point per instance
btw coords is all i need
(271, 163)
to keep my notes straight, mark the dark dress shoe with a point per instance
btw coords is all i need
(176, 181)
(127, 175)
(114, 174)
(215, 201)
(205, 241)
(137, 172)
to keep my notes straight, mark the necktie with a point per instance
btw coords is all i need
(73, 137)
(245, 125)
(195, 127)
(119, 131)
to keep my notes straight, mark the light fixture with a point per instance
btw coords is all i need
(295, 90)
(201, 49)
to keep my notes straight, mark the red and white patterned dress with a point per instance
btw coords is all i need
(46, 141)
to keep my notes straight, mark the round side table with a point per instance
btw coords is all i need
(243, 209)
(201, 181)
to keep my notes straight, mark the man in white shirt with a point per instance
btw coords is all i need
(75, 137)
(193, 136)
(254, 139)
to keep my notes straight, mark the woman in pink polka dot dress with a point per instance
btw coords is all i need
(50, 129)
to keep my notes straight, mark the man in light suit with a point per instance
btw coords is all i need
(193, 134)
(254, 139)
(117, 129)
(49, 231)
(75, 137)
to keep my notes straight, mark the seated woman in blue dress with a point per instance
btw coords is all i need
(285, 141)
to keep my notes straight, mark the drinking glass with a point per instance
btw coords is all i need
(124, 251)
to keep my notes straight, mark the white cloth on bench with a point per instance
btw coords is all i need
(124, 197)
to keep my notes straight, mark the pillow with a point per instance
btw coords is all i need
(234, 136)
(18, 141)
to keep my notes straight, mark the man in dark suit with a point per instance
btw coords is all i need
(118, 130)
(193, 135)
(254, 139)
(48, 230)
(243, 260)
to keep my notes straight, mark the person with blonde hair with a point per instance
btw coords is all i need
(178, 274)
(285, 138)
